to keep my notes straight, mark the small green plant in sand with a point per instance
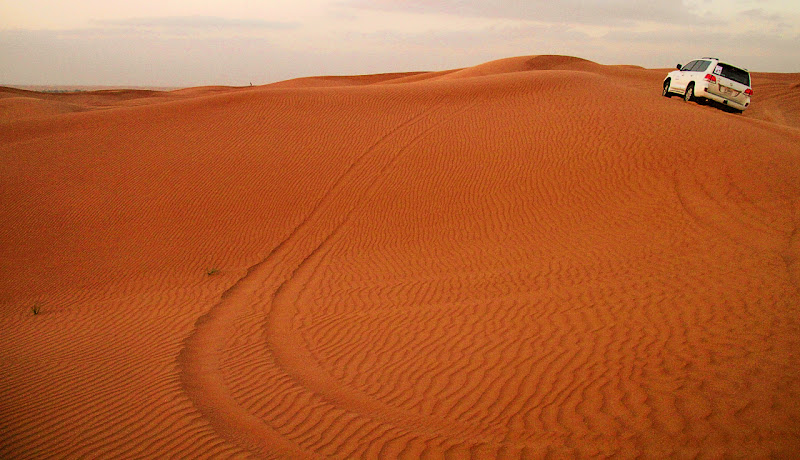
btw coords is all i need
(36, 308)
(212, 271)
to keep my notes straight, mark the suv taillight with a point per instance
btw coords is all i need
(748, 91)
(710, 78)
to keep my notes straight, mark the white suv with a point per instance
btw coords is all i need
(708, 78)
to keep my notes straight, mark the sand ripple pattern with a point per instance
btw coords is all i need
(391, 328)
(525, 259)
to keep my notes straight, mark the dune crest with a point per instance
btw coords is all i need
(502, 261)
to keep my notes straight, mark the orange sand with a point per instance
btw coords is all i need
(534, 256)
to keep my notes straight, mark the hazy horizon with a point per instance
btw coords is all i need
(179, 44)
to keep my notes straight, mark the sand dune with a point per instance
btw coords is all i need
(537, 256)
(18, 108)
(347, 80)
(525, 63)
(17, 104)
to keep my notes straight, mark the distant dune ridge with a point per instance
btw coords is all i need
(534, 256)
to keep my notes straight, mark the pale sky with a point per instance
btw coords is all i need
(236, 42)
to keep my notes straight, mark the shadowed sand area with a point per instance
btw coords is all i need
(538, 256)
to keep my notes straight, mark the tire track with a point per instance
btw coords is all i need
(293, 354)
(285, 272)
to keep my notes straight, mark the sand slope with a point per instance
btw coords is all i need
(536, 256)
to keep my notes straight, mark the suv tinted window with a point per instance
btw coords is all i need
(701, 66)
(734, 73)
(688, 66)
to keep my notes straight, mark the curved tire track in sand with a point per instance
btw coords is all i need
(199, 361)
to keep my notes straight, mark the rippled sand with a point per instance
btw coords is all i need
(534, 256)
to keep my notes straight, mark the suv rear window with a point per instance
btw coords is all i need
(734, 73)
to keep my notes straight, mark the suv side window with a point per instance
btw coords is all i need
(688, 67)
(701, 66)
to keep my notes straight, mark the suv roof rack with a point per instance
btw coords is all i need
(709, 57)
